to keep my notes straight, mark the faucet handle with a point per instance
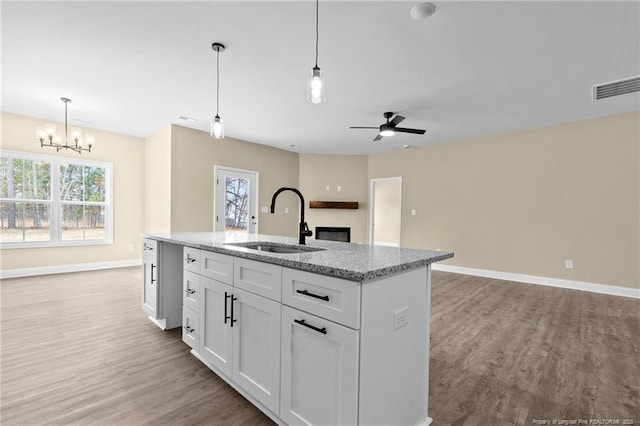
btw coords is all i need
(307, 232)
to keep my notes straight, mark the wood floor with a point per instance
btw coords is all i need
(77, 349)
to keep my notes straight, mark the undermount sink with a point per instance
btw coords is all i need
(276, 247)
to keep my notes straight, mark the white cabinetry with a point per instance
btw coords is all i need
(256, 347)
(240, 330)
(304, 348)
(150, 277)
(319, 370)
(161, 293)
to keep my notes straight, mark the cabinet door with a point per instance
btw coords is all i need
(256, 347)
(319, 371)
(150, 286)
(215, 332)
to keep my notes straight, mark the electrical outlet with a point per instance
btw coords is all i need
(131, 247)
(568, 264)
(400, 318)
(264, 209)
(413, 212)
(339, 188)
(328, 188)
(286, 210)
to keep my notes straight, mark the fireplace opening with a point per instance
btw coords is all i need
(333, 233)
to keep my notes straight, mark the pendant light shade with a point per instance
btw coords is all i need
(315, 85)
(217, 125)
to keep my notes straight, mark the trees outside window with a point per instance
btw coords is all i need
(47, 200)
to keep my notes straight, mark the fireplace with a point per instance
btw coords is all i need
(333, 233)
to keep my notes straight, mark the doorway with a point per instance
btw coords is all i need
(235, 200)
(385, 220)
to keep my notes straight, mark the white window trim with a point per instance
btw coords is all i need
(54, 202)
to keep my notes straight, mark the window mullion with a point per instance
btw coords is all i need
(55, 202)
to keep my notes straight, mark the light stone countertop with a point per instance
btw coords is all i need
(354, 262)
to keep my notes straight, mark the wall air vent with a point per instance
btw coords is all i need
(615, 88)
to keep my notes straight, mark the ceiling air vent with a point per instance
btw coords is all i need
(615, 88)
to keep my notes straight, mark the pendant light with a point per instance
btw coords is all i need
(217, 125)
(315, 86)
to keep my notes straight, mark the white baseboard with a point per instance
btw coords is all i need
(61, 269)
(533, 279)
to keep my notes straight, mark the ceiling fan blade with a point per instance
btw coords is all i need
(377, 138)
(405, 130)
(396, 120)
(352, 127)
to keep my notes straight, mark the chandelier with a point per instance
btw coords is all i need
(48, 137)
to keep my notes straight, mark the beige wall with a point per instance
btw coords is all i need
(348, 171)
(193, 155)
(126, 153)
(157, 170)
(525, 202)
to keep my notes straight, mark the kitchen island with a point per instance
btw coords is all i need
(326, 333)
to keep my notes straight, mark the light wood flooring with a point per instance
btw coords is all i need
(77, 349)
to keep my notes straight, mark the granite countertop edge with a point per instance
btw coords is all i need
(308, 261)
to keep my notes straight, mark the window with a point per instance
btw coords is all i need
(54, 201)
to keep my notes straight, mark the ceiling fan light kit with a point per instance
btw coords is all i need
(217, 125)
(390, 128)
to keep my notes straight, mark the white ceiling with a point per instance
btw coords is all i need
(472, 69)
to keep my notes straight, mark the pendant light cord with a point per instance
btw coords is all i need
(217, 82)
(317, 9)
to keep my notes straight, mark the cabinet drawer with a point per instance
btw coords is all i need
(191, 259)
(190, 328)
(331, 298)
(191, 290)
(149, 247)
(260, 278)
(216, 266)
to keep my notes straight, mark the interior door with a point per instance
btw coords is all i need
(235, 200)
(386, 211)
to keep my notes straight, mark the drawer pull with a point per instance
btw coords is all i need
(306, 293)
(322, 330)
(190, 259)
(189, 329)
(189, 291)
(153, 280)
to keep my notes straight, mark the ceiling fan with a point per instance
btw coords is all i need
(390, 127)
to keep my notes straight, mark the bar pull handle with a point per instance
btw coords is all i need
(322, 330)
(189, 329)
(153, 280)
(233, 299)
(306, 293)
(226, 316)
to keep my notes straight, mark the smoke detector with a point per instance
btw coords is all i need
(422, 11)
